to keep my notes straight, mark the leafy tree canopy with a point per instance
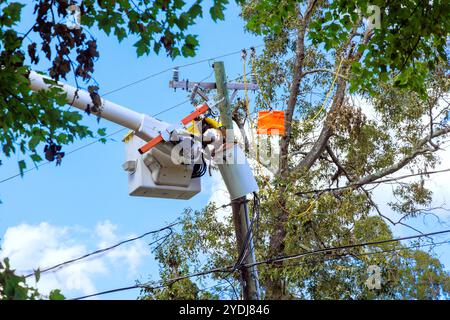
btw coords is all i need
(407, 38)
(362, 102)
(28, 118)
(14, 287)
(400, 66)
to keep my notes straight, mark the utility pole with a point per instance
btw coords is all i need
(249, 276)
(151, 137)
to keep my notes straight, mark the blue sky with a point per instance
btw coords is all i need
(90, 187)
(58, 212)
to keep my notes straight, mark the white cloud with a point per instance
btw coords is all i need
(130, 254)
(42, 245)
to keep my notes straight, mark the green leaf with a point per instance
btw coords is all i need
(56, 295)
(37, 275)
(22, 166)
(195, 10)
(11, 14)
(188, 48)
(217, 10)
(120, 33)
(142, 47)
(35, 157)
(50, 81)
(101, 132)
(34, 141)
(6, 262)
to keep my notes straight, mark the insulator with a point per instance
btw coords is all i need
(244, 54)
(253, 77)
(176, 75)
(194, 93)
(252, 52)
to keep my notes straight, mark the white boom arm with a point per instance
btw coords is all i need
(144, 126)
(154, 174)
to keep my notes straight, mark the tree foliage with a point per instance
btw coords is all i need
(400, 69)
(410, 40)
(14, 287)
(28, 119)
(207, 242)
(386, 113)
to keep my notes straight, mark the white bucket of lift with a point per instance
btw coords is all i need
(236, 172)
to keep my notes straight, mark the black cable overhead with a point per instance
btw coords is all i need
(103, 250)
(378, 181)
(165, 283)
(172, 68)
(124, 129)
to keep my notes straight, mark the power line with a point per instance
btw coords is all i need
(136, 286)
(266, 261)
(127, 86)
(434, 244)
(99, 251)
(417, 246)
(171, 68)
(69, 152)
(352, 185)
(98, 140)
(96, 252)
(87, 144)
(344, 247)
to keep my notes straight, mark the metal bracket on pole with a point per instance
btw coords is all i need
(186, 84)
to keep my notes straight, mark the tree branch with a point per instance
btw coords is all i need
(326, 132)
(419, 149)
(324, 70)
(295, 87)
(369, 196)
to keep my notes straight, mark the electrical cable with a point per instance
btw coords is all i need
(67, 153)
(266, 261)
(200, 169)
(353, 185)
(171, 68)
(99, 251)
(251, 234)
(95, 141)
(327, 96)
(344, 247)
(395, 250)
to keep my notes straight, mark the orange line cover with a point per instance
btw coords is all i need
(270, 122)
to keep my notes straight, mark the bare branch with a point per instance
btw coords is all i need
(420, 148)
(324, 70)
(295, 86)
(369, 196)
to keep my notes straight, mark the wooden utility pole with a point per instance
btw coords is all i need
(249, 276)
